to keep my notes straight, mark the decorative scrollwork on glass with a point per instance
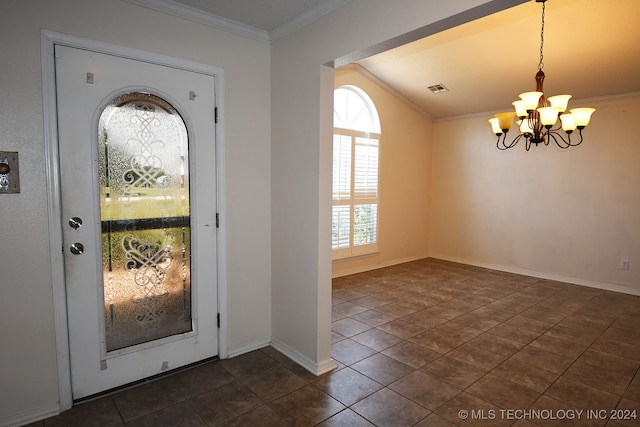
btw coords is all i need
(145, 167)
(145, 214)
(148, 263)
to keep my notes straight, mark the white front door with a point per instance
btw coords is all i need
(138, 196)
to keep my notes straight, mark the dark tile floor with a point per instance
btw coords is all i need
(427, 343)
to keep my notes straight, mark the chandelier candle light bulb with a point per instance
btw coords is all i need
(530, 100)
(538, 115)
(568, 123)
(548, 116)
(582, 116)
(560, 102)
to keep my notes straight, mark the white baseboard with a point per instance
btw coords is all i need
(248, 347)
(315, 368)
(375, 266)
(302, 360)
(29, 417)
(549, 276)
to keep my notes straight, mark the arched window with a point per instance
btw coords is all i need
(356, 143)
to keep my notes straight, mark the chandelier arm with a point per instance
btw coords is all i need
(579, 142)
(566, 143)
(498, 144)
(502, 145)
(527, 141)
(555, 135)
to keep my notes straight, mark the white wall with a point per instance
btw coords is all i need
(301, 146)
(28, 366)
(570, 215)
(405, 159)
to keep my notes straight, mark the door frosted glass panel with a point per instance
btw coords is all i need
(145, 218)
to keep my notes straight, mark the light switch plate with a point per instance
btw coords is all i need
(9, 181)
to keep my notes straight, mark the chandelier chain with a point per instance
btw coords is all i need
(541, 64)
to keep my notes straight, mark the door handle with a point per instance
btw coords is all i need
(76, 248)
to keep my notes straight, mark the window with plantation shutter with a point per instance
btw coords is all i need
(365, 174)
(356, 144)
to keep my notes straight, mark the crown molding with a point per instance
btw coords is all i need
(180, 10)
(197, 15)
(305, 18)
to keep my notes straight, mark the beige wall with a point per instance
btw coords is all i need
(301, 150)
(28, 365)
(570, 215)
(405, 151)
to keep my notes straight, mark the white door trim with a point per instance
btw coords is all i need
(48, 40)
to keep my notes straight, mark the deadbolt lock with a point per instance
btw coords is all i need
(75, 222)
(76, 248)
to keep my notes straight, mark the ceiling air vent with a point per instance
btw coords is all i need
(438, 88)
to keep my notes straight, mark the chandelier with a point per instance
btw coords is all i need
(538, 116)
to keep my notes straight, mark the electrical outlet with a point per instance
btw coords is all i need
(624, 264)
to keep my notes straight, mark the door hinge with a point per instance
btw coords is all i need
(215, 115)
(217, 220)
(218, 320)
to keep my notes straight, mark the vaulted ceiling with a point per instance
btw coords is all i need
(590, 50)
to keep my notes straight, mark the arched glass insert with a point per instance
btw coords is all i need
(143, 153)
(356, 143)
